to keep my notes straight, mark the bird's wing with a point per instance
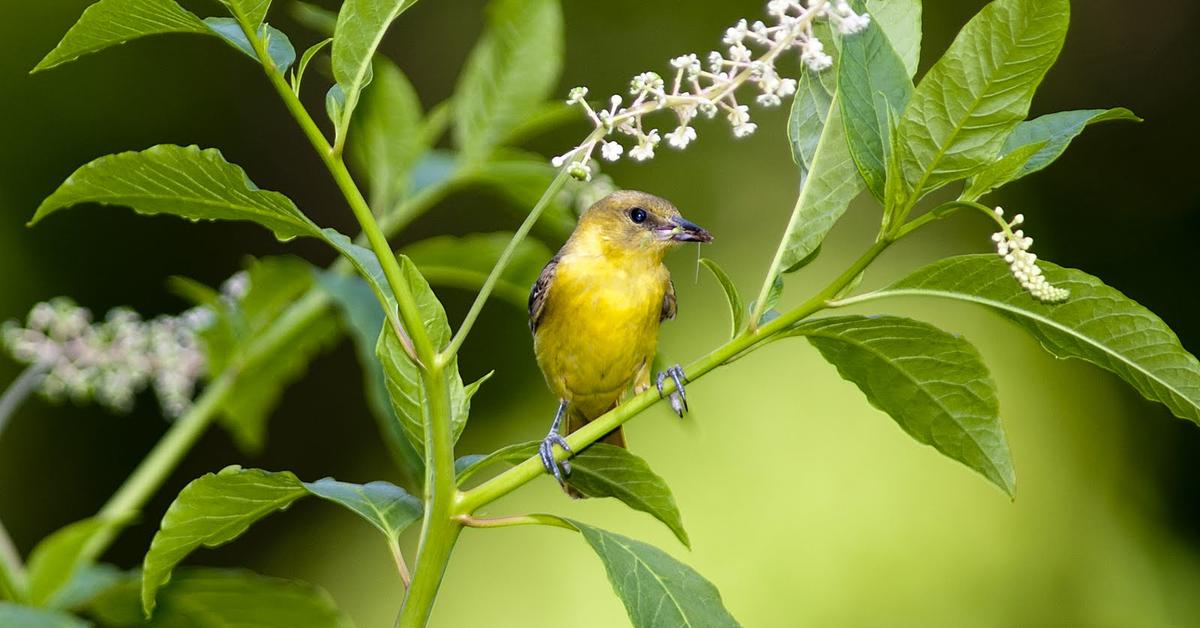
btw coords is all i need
(541, 288)
(669, 305)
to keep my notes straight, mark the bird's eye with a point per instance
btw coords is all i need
(638, 215)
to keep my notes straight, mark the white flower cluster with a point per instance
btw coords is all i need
(697, 89)
(111, 361)
(1014, 246)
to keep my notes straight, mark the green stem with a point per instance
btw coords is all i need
(518, 520)
(531, 468)
(12, 570)
(502, 264)
(19, 391)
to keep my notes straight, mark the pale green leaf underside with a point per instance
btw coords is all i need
(657, 590)
(932, 383)
(901, 22)
(182, 181)
(360, 28)
(1000, 172)
(29, 617)
(384, 505)
(973, 97)
(113, 22)
(211, 511)
(1057, 130)
(224, 598)
(509, 73)
(279, 47)
(810, 110)
(1097, 324)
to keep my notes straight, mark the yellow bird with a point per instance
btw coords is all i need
(596, 309)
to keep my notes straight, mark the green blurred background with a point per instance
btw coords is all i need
(805, 505)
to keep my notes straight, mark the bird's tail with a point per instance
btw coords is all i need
(575, 421)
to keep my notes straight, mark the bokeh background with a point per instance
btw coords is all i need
(805, 505)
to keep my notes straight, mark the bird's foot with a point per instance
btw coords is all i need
(679, 397)
(546, 451)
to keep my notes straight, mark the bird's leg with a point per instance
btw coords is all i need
(678, 398)
(546, 450)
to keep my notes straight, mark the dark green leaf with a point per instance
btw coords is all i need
(974, 96)
(212, 511)
(60, 556)
(316, 18)
(901, 22)
(364, 319)
(223, 598)
(932, 383)
(511, 71)
(279, 47)
(113, 22)
(871, 79)
(523, 178)
(28, 617)
(249, 12)
(186, 182)
(604, 470)
(545, 118)
(386, 138)
(1097, 324)
(737, 308)
(1057, 130)
(657, 590)
(386, 506)
(1000, 172)
(433, 168)
(467, 466)
(361, 25)
(465, 262)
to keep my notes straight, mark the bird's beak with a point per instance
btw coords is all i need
(683, 230)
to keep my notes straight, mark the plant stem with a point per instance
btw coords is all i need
(531, 468)
(519, 520)
(502, 264)
(12, 570)
(19, 391)
(401, 566)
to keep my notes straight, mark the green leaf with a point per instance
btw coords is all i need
(827, 186)
(932, 383)
(182, 181)
(871, 79)
(212, 511)
(404, 376)
(465, 262)
(318, 19)
(657, 590)
(508, 75)
(810, 110)
(28, 617)
(249, 12)
(1057, 130)
(89, 582)
(364, 319)
(901, 22)
(1000, 172)
(275, 284)
(305, 59)
(1097, 324)
(361, 25)
(973, 97)
(386, 506)
(523, 178)
(604, 470)
(386, 138)
(737, 308)
(60, 556)
(114, 22)
(223, 598)
(279, 47)
(467, 466)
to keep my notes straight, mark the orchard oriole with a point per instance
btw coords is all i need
(596, 309)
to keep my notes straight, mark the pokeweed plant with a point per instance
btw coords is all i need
(858, 122)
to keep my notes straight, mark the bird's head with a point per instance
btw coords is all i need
(637, 223)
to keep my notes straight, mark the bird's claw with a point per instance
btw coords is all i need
(546, 451)
(679, 396)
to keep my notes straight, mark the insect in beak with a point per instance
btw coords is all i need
(682, 230)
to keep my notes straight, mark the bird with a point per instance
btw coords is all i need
(596, 309)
